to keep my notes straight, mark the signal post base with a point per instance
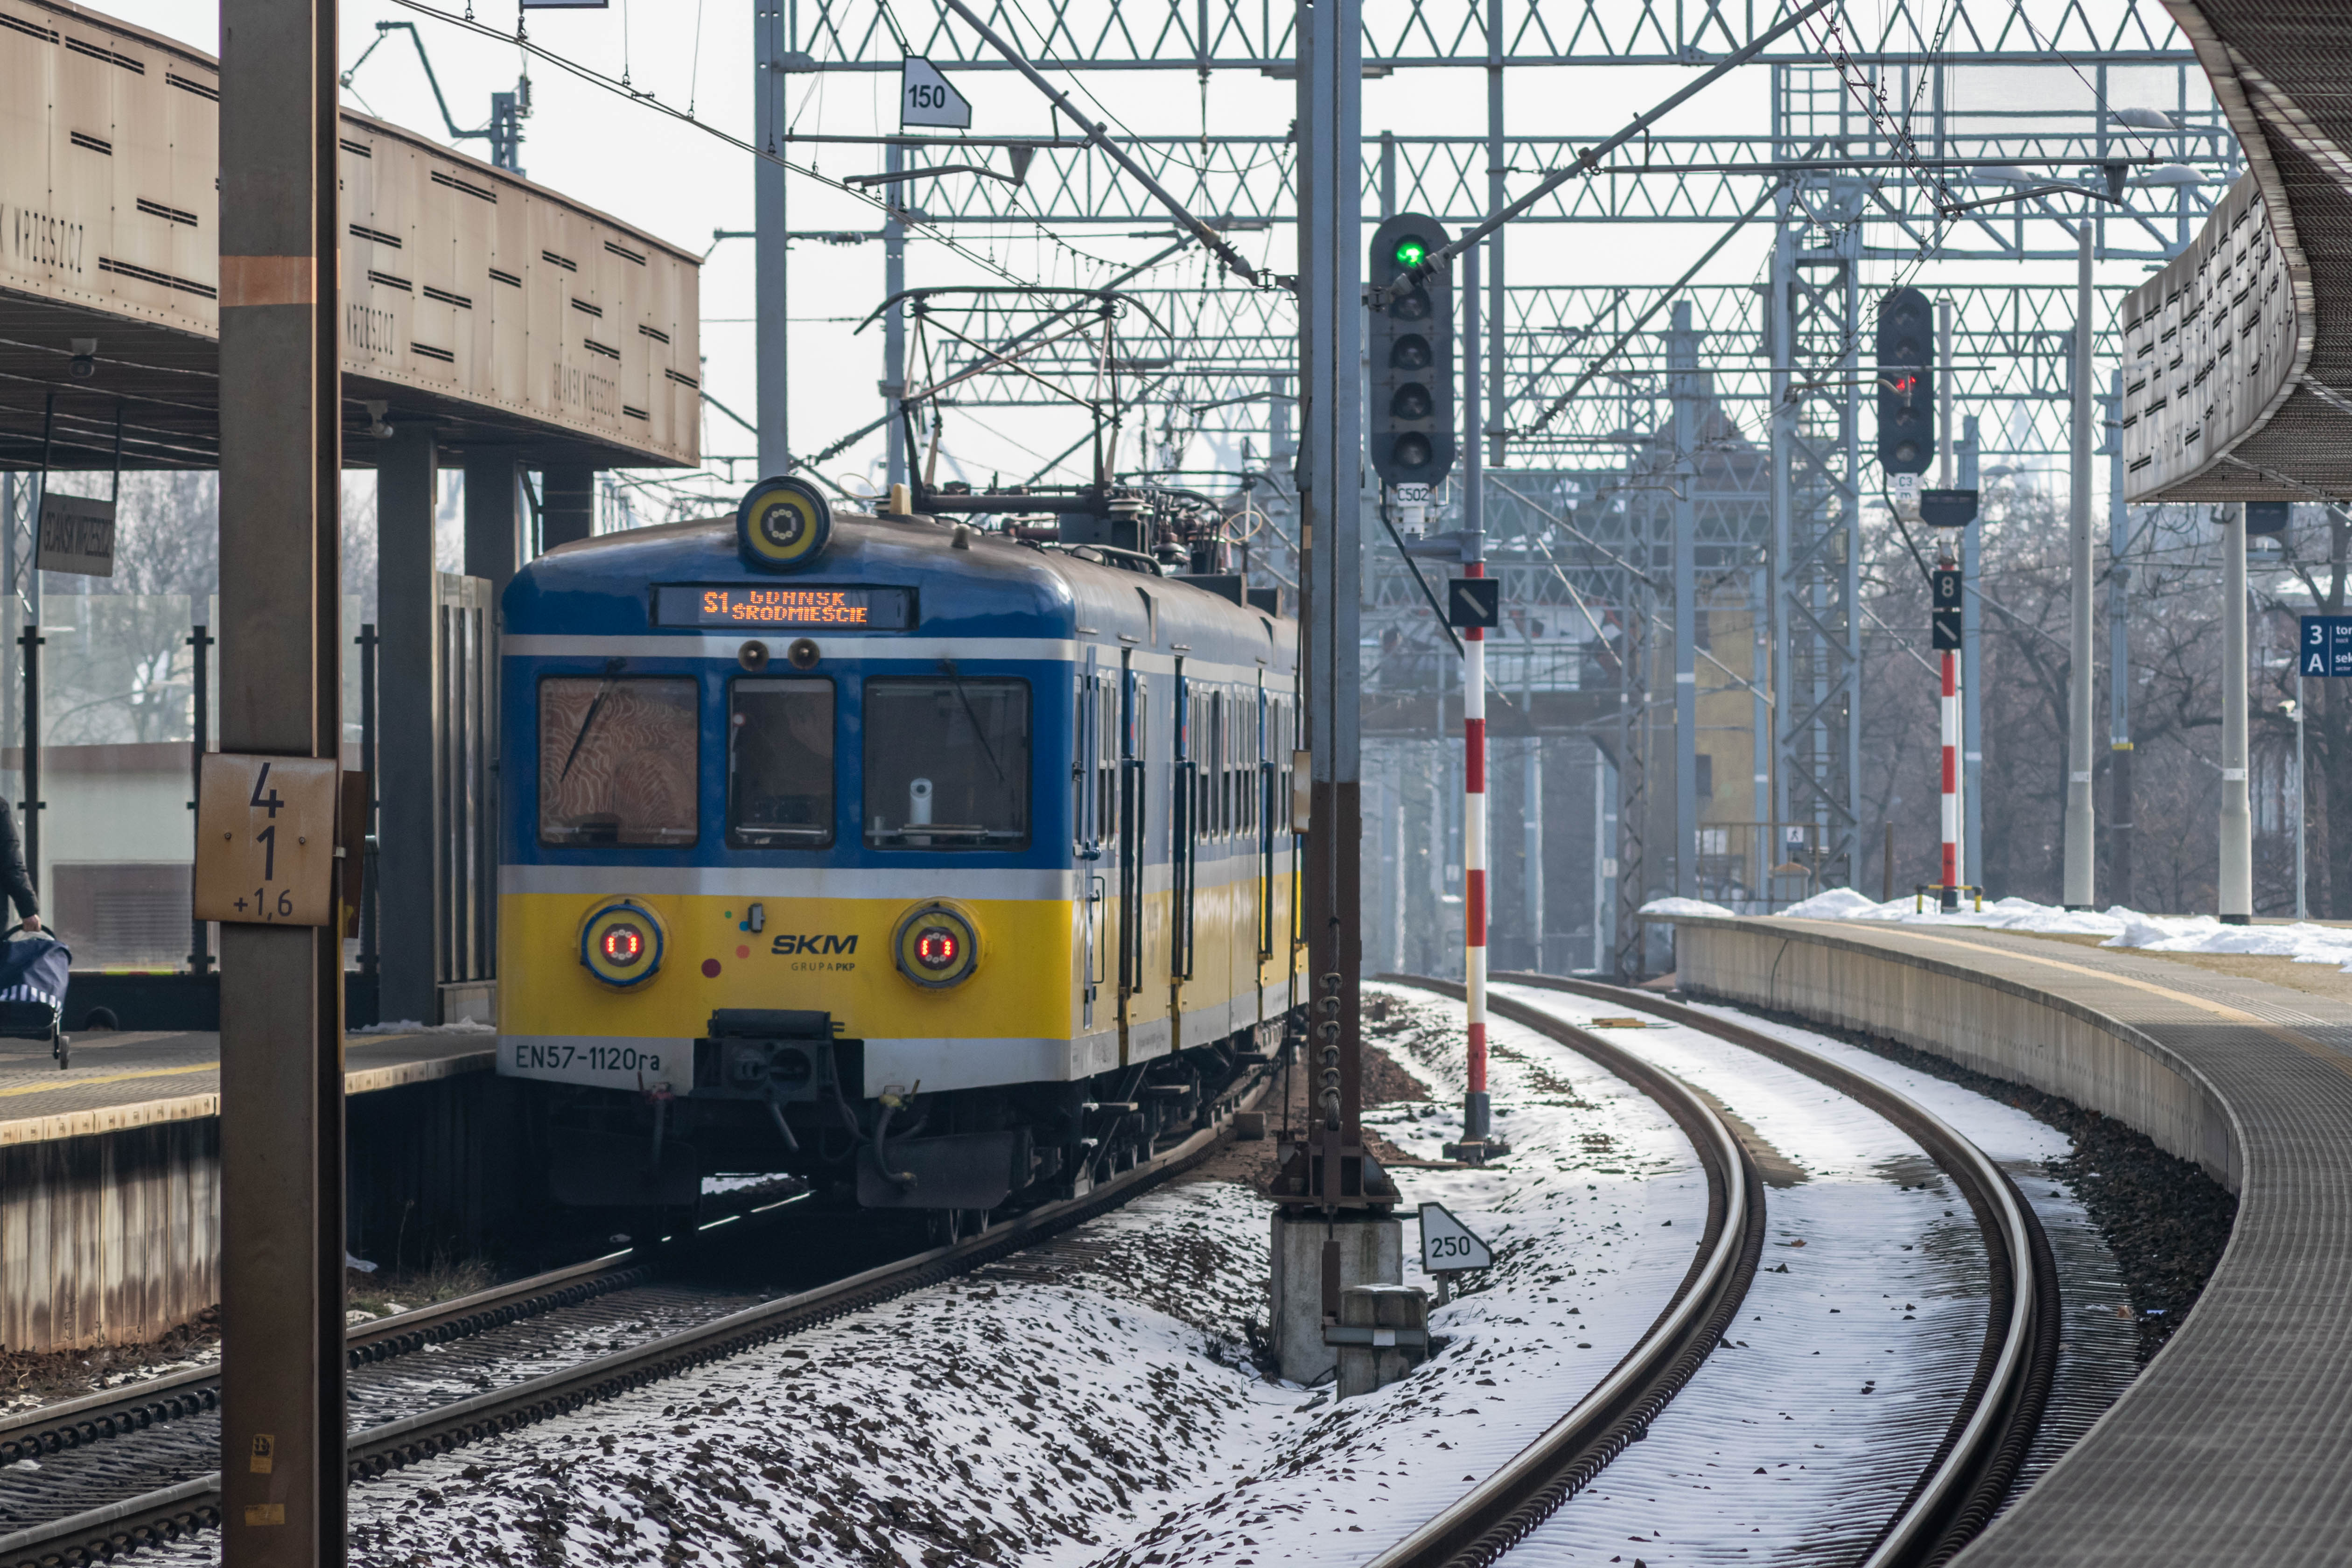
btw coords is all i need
(1479, 1142)
(1318, 1257)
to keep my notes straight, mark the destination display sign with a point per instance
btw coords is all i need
(795, 609)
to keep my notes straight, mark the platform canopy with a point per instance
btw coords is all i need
(2238, 355)
(496, 311)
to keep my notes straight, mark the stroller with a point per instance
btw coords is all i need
(34, 967)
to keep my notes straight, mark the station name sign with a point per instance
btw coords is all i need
(811, 608)
(77, 534)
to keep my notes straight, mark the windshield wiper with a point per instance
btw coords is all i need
(613, 668)
(985, 749)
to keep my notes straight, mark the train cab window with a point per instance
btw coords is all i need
(947, 762)
(780, 764)
(618, 761)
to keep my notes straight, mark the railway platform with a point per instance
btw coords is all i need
(2235, 1444)
(136, 1078)
(109, 1190)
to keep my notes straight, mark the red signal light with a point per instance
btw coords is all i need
(623, 944)
(937, 948)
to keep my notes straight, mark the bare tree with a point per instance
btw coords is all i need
(2024, 672)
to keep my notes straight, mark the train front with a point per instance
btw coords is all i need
(773, 867)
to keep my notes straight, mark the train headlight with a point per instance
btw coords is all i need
(621, 943)
(781, 525)
(937, 944)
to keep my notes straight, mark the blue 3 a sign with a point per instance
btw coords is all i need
(2326, 645)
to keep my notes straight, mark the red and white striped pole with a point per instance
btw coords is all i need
(1476, 1110)
(1950, 901)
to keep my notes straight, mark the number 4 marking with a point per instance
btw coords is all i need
(271, 805)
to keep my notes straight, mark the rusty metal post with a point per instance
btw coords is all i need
(1330, 474)
(282, 1417)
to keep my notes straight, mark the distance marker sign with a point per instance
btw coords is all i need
(1447, 1245)
(927, 98)
(266, 840)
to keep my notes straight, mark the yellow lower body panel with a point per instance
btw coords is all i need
(1021, 1017)
(829, 954)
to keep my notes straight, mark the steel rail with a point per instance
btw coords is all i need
(56, 1428)
(136, 1407)
(1501, 1510)
(99, 1533)
(1973, 1468)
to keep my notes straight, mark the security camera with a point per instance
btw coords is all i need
(85, 358)
(377, 426)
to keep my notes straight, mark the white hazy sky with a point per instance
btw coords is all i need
(682, 183)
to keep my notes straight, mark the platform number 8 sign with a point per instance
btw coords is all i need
(266, 840)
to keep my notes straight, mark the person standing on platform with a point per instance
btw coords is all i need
(15, 880)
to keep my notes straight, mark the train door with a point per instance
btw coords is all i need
(1088, 737)
(1184, 845)
(1134, 735)
(1264, 782)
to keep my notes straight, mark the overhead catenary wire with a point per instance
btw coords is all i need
(1234, 261)
(621, 88)
(1676, 287)
(1587, 162)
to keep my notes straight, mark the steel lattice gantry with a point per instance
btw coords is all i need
(1256, 36)
(1609, 415)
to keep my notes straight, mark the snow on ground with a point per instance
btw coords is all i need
(1593, 1219)
(1091, 1402)
(1882, 1230)
(2303, 942)
(1848, 1360)
(1695, 907)
(2098, 1348)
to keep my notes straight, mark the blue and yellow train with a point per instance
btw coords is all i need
(941, 867)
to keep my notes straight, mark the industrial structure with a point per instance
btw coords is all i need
(1669, 494)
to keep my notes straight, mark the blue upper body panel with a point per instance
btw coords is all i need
(990, 605)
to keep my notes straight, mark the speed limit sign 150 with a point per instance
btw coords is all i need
(266, 840)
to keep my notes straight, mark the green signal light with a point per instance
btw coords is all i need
(1411, 253)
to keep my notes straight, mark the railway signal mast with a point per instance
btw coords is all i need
(1907, 374)
(1412, 444)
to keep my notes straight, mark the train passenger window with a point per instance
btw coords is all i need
(947, 762)
(780, 764)
(618, 761)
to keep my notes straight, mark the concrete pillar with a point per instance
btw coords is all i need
(495, 516)
(1531, 847)
(1394, 1322)
(2237, 865)
(567, 505)
(406, 596)
(1684, 349)
(2081, 863)
(1370, 1250)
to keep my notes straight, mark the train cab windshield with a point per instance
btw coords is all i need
(947, 762)
(780, 764)
(617, 761)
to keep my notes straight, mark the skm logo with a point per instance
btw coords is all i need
(788, 945)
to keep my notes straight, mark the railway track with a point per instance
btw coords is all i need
(145, 1515)
(1971, 1469)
